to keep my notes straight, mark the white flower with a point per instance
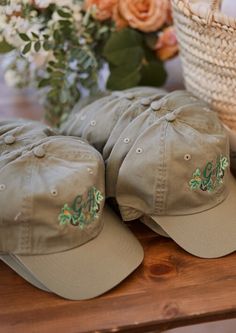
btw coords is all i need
(12, 78)
(59, 3)
(43, 3)
(41, 58)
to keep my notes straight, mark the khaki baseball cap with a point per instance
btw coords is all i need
(18, 133)
(96, 121)
(133, 111)
(57, 227)
(177, 174)
(20, 269)
(119, 146)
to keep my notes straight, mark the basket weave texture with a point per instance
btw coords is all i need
(207, 40)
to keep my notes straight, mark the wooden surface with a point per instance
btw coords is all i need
(170, 289)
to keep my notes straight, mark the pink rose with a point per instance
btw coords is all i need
(144, 15)
(104, 8)
(167, 45)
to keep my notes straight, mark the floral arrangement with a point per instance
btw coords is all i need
(61, 46)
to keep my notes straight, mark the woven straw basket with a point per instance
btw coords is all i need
(207, 41)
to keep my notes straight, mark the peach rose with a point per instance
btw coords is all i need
(144, 15)
(119, 20)
(167, 45)
(104, 8)
(169, 17)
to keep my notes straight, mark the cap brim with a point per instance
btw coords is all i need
(153, 226)
(209, 234)
(93, 268)
(16, 265)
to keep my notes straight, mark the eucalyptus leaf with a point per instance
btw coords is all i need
(46, 45)
(63, 13)
(44, 83)
(64, 96)
(34, 35)
(24, 37)
(27, 48)
(37, 46)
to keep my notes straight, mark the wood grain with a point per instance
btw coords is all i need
(170, 289)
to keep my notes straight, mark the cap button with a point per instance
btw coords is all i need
(9, 139)
(129, 96)
(170, 117)
(145, 102)
(155, 106)
(39, 152)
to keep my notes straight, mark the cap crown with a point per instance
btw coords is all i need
(157, 108)
(56, 202)
(18, 133)
(133, 111)
(179, 165)
(96, 121)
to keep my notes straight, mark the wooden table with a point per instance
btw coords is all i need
(170, 289)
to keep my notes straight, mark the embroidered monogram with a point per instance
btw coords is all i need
(84, 210)
(211, 176)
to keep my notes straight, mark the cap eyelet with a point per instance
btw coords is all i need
(9, 139)
(187, 157)
(90, 171)
(126, 140)
(54, 192)
(93, 123)
(139, 150)
(2, 187)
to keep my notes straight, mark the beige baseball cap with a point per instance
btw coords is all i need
(57, 228)
(177, 174)
(96, 121)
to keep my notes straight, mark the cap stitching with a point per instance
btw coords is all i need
(161, 173)
(27, 206)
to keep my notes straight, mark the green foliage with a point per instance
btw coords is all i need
(125, 46)
(78, 51)
(124, 77)
(131, 62)
(153, 74)
(5, 47)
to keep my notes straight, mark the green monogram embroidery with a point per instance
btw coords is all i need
(211, 176)
(83, 210)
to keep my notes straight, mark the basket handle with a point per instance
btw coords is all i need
(215, 5)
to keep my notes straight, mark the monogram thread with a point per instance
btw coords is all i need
(211, 177)
(84, 209)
